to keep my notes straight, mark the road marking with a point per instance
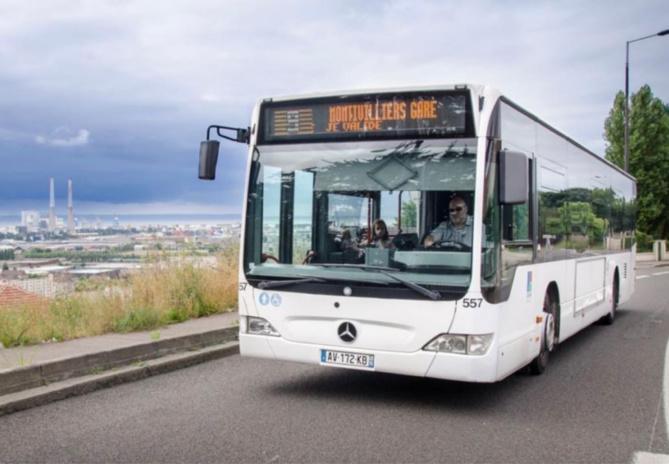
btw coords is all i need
(665, 388)
(652, 275)
(642, 457)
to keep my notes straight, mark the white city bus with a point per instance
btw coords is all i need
(548, 248)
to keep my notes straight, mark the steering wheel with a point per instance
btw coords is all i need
(450, 245)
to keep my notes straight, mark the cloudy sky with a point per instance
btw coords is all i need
(117, 94)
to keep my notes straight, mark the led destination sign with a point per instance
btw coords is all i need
(361, 117)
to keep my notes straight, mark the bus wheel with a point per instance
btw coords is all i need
(610, 317)
(539, 364)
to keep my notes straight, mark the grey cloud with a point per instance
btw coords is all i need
(147, 81)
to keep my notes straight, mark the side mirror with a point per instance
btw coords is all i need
(513, 178)
(208, 159)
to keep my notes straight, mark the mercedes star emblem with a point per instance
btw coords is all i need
(347, 332)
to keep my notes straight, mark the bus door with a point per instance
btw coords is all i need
(342, 216)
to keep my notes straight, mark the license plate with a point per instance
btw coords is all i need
(345, 358)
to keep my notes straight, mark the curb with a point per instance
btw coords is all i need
(39, 375)
(89, 383)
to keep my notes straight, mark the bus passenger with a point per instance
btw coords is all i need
(458, 229)
(381, 238)
(347, 242)
(349, 246)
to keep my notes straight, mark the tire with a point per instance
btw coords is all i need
(611, 316)
(548, 338)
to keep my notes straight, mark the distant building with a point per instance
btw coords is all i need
(14, 296)
(49, 286)
(52, 206)
(30, 220)
(70, 208)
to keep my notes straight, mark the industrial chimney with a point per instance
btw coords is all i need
(70, 209)
(52, 206)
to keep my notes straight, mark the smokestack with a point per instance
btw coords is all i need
(70, 208)
(52, 206)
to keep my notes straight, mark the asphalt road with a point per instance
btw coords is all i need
(600, 401)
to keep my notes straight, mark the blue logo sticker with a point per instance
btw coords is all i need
(276, 300)
(529, 283)
(263, 299)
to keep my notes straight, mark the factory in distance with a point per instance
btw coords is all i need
(32, 221)
(46, 255)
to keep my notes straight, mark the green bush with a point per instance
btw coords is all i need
(138, 319)
(644, 242)
(13, 328)
(175, 315)
(69, 319)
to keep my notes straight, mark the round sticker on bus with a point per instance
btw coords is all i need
(263, 299)
(276, 300)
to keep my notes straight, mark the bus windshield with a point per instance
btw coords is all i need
(333, 212)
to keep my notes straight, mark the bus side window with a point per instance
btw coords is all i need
(271, 208)
(390, 211)
(516, 220)
(303, 205)
(517, 234)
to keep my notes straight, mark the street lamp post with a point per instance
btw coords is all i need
(627, 98)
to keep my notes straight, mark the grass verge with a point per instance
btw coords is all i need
(163, 292)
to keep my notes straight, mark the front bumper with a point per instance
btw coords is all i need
(420, 363)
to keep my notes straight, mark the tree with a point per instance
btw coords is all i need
(408, 214)
(649, 156)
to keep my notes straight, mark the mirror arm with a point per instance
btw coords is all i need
(241, 135)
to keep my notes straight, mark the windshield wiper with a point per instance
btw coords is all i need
(356, 266)
(282, 283)
(390, 272)
(414, 286)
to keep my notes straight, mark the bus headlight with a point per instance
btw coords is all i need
(260, 326)
(448, 344)
(460, 344)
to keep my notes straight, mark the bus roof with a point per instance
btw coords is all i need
(346, 93)
(477, 90)
(564, 136)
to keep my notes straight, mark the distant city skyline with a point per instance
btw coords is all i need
(118, 95)
(13, 220)
(92, 207)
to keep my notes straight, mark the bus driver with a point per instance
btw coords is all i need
(458, 229)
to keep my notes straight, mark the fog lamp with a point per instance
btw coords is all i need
(478, 344)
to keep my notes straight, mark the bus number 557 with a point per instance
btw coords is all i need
(472, 302)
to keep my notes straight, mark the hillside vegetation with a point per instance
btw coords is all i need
(163, 292)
